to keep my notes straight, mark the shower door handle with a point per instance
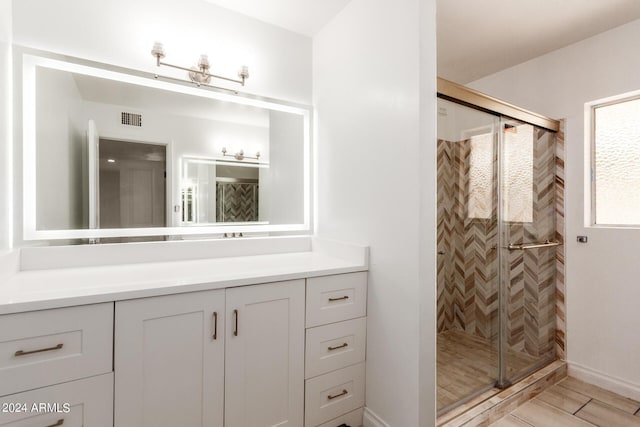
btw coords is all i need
(535, 245)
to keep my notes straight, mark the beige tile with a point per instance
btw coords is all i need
(564, 398)
(493, 409)
(627, 405)
(541, 414)
(510, 421)
(604, 415)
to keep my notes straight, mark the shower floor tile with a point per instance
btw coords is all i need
(467, 364)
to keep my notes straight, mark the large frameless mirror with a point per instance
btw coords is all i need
(111, 153)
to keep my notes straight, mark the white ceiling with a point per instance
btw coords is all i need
(480, 37)
(305, 17)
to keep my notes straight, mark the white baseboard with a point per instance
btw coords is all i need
(372, 420)
(592, 376)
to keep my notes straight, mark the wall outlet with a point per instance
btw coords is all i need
(582, 239)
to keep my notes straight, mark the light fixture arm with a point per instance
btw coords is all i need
(240, 155)
(200, 74)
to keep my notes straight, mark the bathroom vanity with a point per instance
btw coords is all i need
(260, 340)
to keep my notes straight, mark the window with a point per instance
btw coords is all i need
(616, 162)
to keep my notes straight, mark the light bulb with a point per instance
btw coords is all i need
(158, 50)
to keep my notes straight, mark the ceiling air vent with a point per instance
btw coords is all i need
(131, 119)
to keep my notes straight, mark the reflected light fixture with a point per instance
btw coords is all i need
(239, 155)
(199, 74)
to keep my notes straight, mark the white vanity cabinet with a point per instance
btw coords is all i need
(56, 367)
(288, 353)
(170, 364)
(169, 360)
(265, 355)
(335, 350)
(82, 403)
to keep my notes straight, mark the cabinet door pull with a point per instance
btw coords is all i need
(215, 325)
(235, 329)
(337, 395)
(339, 299)
(24, 353)
(337, 347)
(58, 423)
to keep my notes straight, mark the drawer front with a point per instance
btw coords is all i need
(87, 402)
(41, 348)
(334, 394)
(335, 346)
(336, 298)
(352, 419)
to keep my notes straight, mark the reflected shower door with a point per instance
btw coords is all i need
(527, 236)
(467, 280)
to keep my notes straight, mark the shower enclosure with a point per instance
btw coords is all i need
(496, 249)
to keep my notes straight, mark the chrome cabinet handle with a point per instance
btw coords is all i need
(24, 353)
(338, 299)
(58, 423)
(215, 325)
(337, 395)
(337, 347)
(235, 329)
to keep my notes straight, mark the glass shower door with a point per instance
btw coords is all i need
(467, 280)
(528, 249)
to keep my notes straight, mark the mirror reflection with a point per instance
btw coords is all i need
(218, 192)
(111, 154)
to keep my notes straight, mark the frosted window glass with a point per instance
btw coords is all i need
(617, 163)
(480, 176)
(517, 182)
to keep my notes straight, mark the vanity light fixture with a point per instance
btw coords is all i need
(239, 155)
(199, 74)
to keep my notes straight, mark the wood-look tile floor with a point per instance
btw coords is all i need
(467, 364)
(572, 402)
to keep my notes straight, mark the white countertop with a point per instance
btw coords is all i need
(51, 288)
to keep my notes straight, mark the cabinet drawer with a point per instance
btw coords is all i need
(334, 394)
(352, 419)
(41, 348)
(335, 298)
(87, 402)
(335, 346)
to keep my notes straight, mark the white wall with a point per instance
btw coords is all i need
(6, 160)
(122, 32)
(602, 276)
(428, 217)
(367, 98)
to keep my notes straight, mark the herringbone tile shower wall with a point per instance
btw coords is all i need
(531, 292)
(467, 289)
(467, 267)
(237, 202)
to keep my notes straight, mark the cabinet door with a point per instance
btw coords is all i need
(265, 355)
(169, 361)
